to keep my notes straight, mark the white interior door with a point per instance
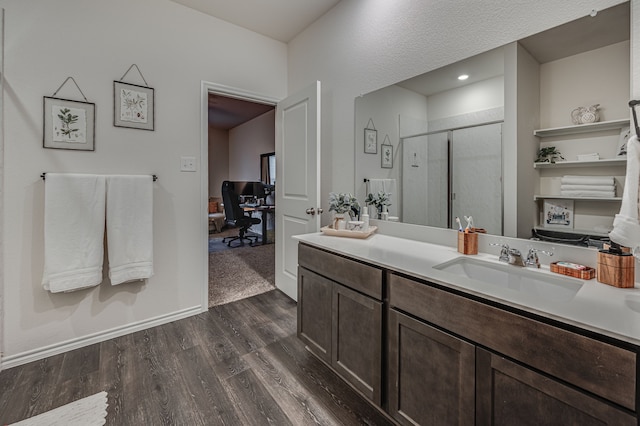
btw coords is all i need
(297, 180)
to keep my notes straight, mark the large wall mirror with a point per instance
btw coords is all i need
(467, 146)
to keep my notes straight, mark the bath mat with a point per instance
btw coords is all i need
(88, 411)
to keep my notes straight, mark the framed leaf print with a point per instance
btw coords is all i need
(69, 124)
(370, 141)
(386, 155)
(133, 106)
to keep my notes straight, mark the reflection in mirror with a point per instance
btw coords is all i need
(448, 135)
(268, 168)
(467, 147)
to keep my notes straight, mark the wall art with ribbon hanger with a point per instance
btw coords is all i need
(133, 104)
(370, 138)
(68, 124)
(386, 153)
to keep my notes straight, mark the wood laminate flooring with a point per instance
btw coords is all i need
(237, 364)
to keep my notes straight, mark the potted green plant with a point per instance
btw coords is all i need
(342, 204)
(381, 201)
(549, 154)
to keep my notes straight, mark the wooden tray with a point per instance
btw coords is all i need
(327, 230)
(584, 274)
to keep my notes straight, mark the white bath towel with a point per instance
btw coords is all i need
(588, 194)
(130, 227)
(587, 180)
(74, 207)
(626, 229)
(607, 188)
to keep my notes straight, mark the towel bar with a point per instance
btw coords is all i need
(44, 174)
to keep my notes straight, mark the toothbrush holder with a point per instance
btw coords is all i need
(467, 242)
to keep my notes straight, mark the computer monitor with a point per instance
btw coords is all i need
(249, 189)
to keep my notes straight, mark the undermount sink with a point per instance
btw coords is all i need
(525, 281)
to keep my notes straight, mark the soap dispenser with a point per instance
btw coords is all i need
(365, 219)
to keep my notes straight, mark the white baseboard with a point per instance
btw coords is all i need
(80, 342)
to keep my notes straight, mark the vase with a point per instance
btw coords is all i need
(340, 220)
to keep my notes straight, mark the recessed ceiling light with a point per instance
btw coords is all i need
(463, 77)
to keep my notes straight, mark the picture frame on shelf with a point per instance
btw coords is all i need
(370, 141)
(133, 106)
(68, 124)
(558, 214)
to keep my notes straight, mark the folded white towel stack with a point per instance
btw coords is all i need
(626, 229)
(130, 227)
(74, 208)
(587, 180)
(588, 186)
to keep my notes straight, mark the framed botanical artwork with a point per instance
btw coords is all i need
(370, 141)
(133, 106)
(69, 124)
(558, 214)
(386, 156)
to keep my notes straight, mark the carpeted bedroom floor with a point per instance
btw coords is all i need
(239, 272)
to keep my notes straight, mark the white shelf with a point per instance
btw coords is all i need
(561, 197)
(622, 161)
(582, 128)
(573, 231)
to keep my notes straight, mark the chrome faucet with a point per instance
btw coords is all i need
(515, 257)
(509, 255)
(532, 257)
(504, 253)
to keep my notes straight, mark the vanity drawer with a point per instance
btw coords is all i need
(597, 367)
(358, 276)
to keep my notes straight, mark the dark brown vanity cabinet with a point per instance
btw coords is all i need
(496, 367)
(444, 357)
(340, 316)
(508, 394)
(432, 374)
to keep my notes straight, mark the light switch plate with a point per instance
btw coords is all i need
(187, 164)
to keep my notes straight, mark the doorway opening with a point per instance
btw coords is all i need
(238, 135)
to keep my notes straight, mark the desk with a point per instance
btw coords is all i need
(265, 210)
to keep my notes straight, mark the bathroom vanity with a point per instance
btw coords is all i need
(401, 322)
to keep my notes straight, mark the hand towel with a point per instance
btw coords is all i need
(130, 227)
(74, 208)
(608, 188)
(587, 180)
(589, 194)
(626, 229)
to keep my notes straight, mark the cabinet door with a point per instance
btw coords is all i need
(509, 394)
(357, 340)
(431, 374)
(314, 312)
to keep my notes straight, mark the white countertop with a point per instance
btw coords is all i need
(597, 307)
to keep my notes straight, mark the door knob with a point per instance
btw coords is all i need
(319, 210)
(311, 211)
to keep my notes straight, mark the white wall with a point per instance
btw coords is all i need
(96, 41)
(247, 142)
(218, 160)
(480, 96)
(363, 45)
(602, 79)
(383, 110)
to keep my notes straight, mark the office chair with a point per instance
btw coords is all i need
(235, 216)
